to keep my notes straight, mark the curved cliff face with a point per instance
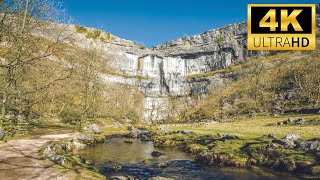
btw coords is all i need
(162, 73)
(167, 66)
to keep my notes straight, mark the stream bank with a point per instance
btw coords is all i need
(117, 159)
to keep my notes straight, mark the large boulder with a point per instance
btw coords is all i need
(288, 141)
(57, 149)
(83, 138)
(310, 145)
(2, 133)
(139, 133)
(93, 128)
(135, 132)
(292, 137)
(285, 143)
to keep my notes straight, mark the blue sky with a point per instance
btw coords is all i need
(152, 22)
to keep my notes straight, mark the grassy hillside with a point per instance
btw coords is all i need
(267, 85)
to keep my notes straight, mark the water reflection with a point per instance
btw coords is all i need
(127, 158)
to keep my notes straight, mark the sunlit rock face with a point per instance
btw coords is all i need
(165, 72)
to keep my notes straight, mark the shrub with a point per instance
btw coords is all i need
(70, 117)
(220, 40)
(109, 37)
(94, 34)
(80, 29)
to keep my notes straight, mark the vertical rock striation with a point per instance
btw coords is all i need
(163, 73)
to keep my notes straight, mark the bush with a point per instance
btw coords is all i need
(80, 29)
(93, 34)
(70, 117)
(220, 40)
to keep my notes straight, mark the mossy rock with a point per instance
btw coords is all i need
(315, 170)
(195, 148)
(162, 165)
(285, 165)
(149, 161)
(164, 142)
(128, 141)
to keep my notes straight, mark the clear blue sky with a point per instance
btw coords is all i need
(152, 22)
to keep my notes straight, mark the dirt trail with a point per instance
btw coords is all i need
(19, 159)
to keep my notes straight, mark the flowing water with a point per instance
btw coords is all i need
(116, 158)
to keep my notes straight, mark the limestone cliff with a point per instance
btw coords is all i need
(166, 67)
(163, 73)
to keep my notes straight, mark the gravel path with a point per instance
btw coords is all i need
(19, 159)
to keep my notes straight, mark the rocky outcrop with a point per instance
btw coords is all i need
(289, 141)
(93, 128)
(310, 145)
(57, 152)
(167, 71)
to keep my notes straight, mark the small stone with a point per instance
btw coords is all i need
(290, 120)
(273, 145)
(156, 153)
(228, 136)
(160, 178)
(93, 128)
(2, 133)
(185, 132)
(117, 168)
(162, 165)
(119, 178)
(89, 162)
(292, 137)
(270, 136)
(310, 145)
(58, 159)
(128, 141)
(300, 121)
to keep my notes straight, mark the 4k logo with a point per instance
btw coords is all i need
(281, 27)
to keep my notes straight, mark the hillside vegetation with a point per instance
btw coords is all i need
(44, 76)
(268, 85)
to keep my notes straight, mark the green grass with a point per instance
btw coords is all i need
(93, 34)
(80, 29)
(257, 126)
(149, 161)
(90, 34)
(251, 149)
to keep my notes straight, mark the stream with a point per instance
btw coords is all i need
(117, 158)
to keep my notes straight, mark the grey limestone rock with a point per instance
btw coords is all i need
(2, 133)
